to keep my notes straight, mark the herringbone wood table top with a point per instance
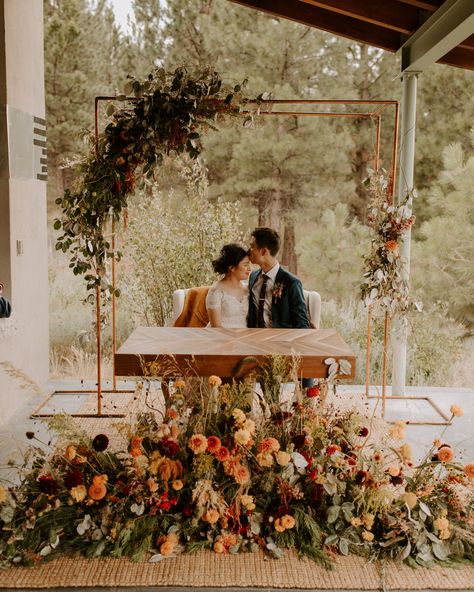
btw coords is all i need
(218, 350)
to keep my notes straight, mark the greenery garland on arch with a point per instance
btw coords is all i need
(170, 112)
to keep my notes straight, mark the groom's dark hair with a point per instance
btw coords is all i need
(267, 238)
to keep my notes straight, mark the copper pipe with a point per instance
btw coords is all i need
(395, 148)
(114, 332)
(369, 345)
(99, 361)
(384, 359)
(377, 144)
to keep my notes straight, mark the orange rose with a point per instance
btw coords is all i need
(97, 490)
(213, 444)
(167, 548)
(445, 454)
(391, 245)
(279, 526)
(177, 484)
(469, 470)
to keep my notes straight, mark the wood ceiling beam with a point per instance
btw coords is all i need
(373, 11)
(461, 58)
(449, 26)
(311, 15)
(431, 6)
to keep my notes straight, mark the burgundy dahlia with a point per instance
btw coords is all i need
(100, 443)
(48, 484)
(73, 479)
(168, 447)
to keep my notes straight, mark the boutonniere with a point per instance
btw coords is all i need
(278, 290)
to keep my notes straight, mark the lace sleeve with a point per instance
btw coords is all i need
(214, 298)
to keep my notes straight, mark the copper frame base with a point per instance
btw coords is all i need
(37, 413)
(447, 420)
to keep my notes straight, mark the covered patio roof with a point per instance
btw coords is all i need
(425, 31)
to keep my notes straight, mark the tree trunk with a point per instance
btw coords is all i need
(288, 257)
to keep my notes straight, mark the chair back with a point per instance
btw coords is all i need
(313, 304)
(189, 307)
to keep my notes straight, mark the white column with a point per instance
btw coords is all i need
(405, 185)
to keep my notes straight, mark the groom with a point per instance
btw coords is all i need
(275, 295)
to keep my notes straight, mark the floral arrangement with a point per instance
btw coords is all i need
(212, 474)
(278, 291)
(385, 285)
(168, 113)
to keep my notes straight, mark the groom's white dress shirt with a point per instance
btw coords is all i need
(267, 307)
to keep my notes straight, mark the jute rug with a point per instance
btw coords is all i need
(208, 570)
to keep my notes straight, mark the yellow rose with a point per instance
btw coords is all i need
(214, 381)
(78, 493)
(247, 501)
(368, 520)
(264, 459)
(239, 417)
(242, 436)
(211, 516)
(441, 523)
(410, 499)
(282, 458)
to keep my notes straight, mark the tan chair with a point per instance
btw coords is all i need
(188, 307)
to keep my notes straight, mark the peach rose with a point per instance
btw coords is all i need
(70, 453)
(269, 445)
(287, 521)
(469, 470)
(214, 381)
(456, 410)
(282, 458)
(219, 547)
(211, 516)
(241, 474)
(152, 485)
(198, 443)
(167, 548)
(445, 454)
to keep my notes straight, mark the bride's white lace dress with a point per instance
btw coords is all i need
(233, 309)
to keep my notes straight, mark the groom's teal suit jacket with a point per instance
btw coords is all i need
(288, 308)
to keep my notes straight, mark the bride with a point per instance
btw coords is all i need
(227, 301)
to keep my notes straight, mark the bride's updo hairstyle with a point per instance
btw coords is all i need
(230, 256)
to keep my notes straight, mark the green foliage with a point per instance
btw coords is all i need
(434, 345)
(170, 113)
(442, 260)
(168, 249)
(331, 254)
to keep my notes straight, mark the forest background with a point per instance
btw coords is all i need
(303, 176)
